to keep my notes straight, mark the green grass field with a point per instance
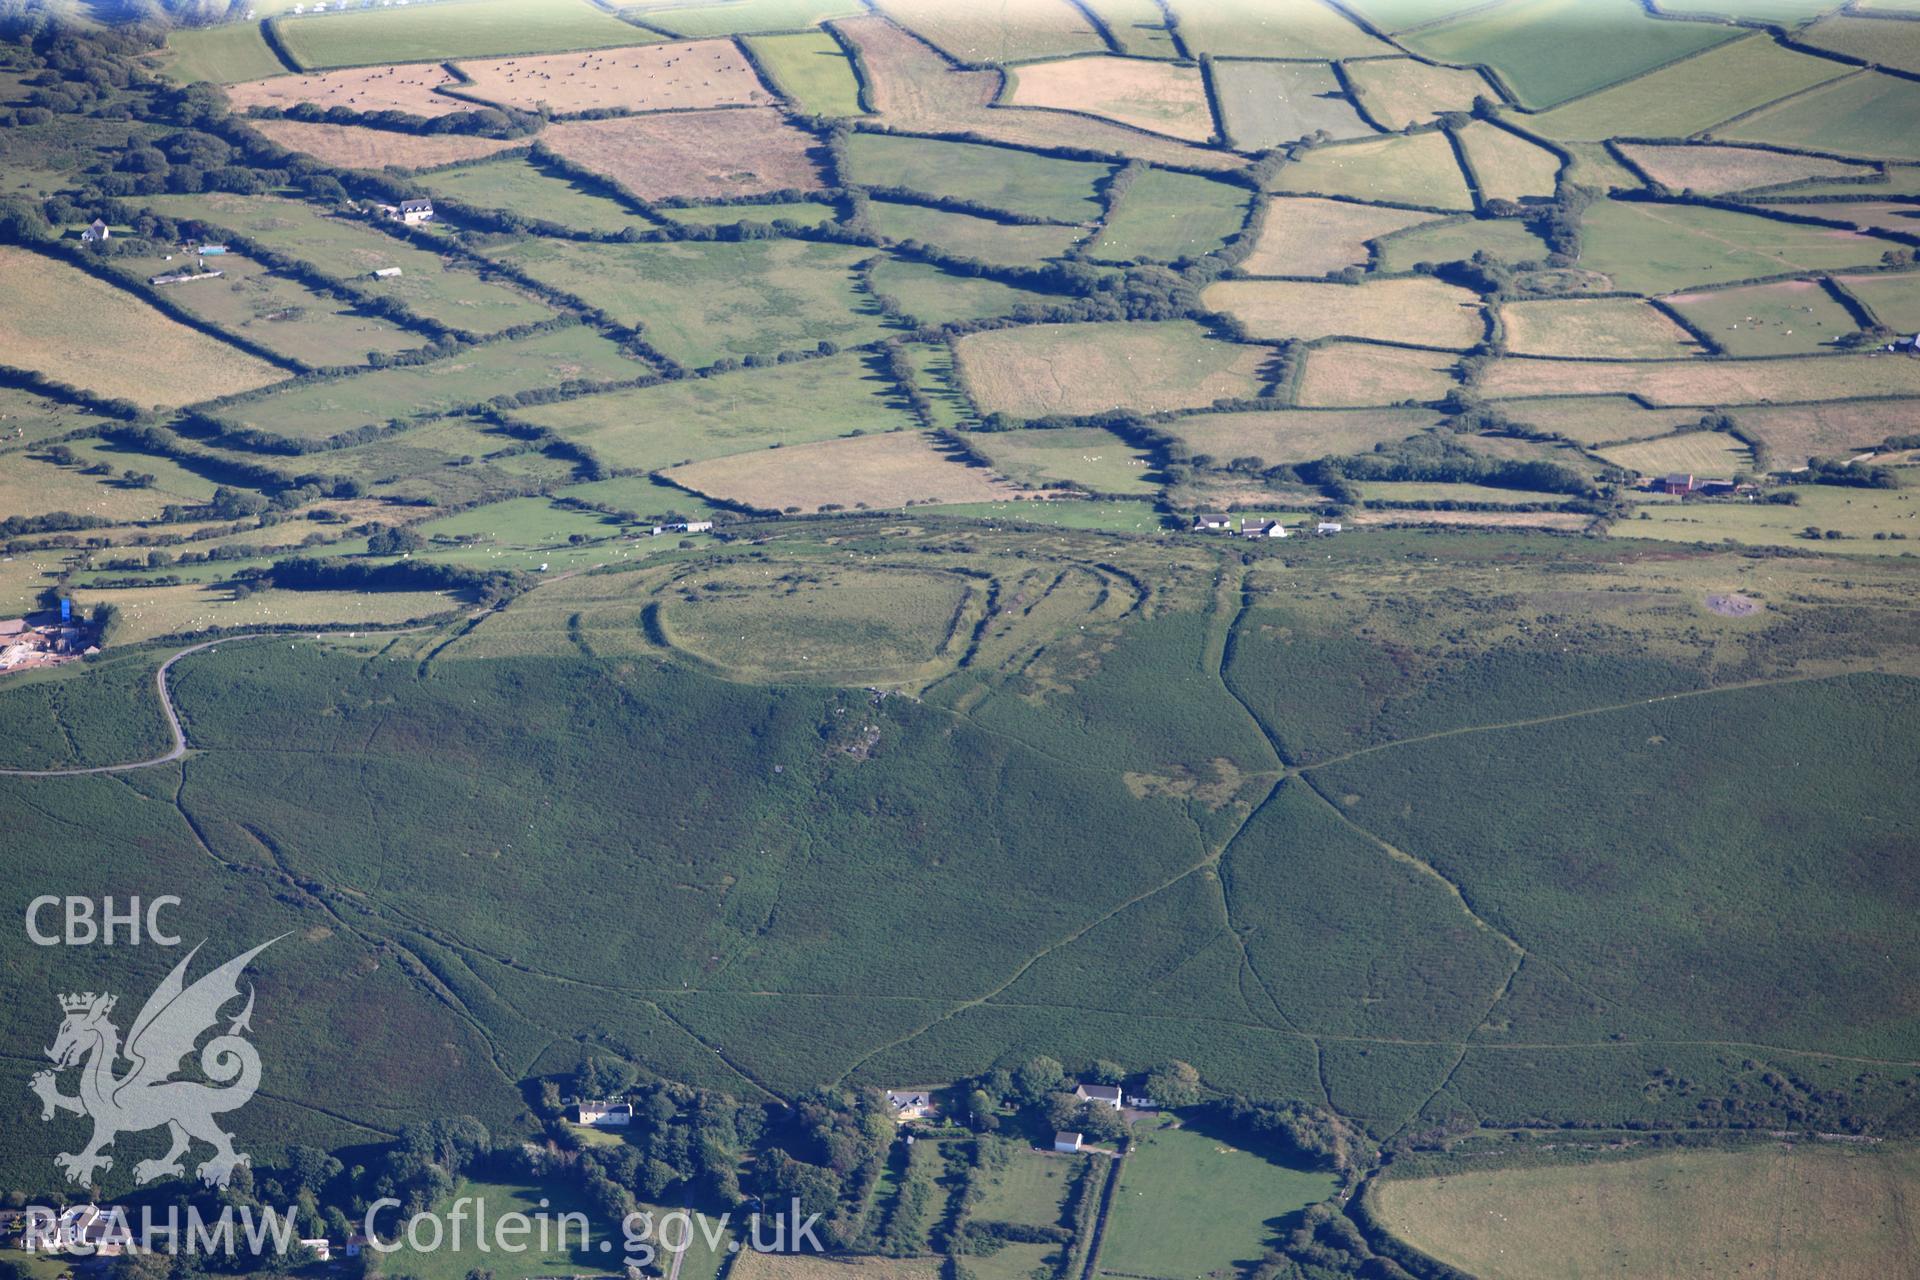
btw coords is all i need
(1190, 1204)
(1505, 238)
(1005, 244)
(700, 302)
(1650, 248)
(1703, 453)
(452, 29)
(1689, 96)
(1894, 300)
(931, 296)
(519, 186)
(1268, 103)
(728, 17)
(1085, 457)
(1164, 216)
(653, 427)
(1768, 320)
(997, 177)
(1418, 170)
(223, 54)
(319, 409)
(1245, 28)
(812, 70)
(1299, 435)
(1032, 1189)
(1791, 1210)
(279, 313)
(1551, 50)
(1858, 115)
(352, 251)
(807, 213)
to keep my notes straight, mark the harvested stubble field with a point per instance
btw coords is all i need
(970, 237)
(1690, 96)
(693, 419)
(1295, 435)
(1089, 368)
(1417, 170)
(1798, 1212)
(1421, 310)
(1358, 374)
(1268, 103)
(1305, 236)
(1264, 29)
(1865, 215)
(1157, 96)
(997, 33)
(409, 87)
(351, 146)
(62, 322)
(913, 88)
(147, 612)
(1507, 165)
(653, 77)
(1793, 317)
(768, 1266)
(812, 70)
(1708, 382)
(1617, 328)
(728, 152)
(884, 471)
(1702, 453)
(1794, 433)
(702, 300)
(1716, 170)
(1399, 92)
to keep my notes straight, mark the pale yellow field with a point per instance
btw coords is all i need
(768, 1266)
(1508, 166)
(729, 152)
(407, 86)
(62, 322)
(1620, 328)
(1344, 374)
(1306, 236)
(1563, 520)
(1399, 91)
(1418, 170)
(1421, 310)
(1296, 435)
(1708, 382)
(349, 146)
(1148, 95)
(146, 612)
(647, 77)
(997, 32)
(1703, 453)
(1593, 420)
(1794, 433)
(1088, 368)
(897, 469)
(1787, 1213)
(913, 88)
(1713, 170)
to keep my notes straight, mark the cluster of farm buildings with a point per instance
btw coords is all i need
(25, 644)
(1258, 528)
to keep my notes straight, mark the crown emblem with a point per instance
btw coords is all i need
(80, 1002)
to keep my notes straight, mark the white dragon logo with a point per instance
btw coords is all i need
(147, 1096)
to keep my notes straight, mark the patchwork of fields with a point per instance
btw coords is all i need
(741, 565)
